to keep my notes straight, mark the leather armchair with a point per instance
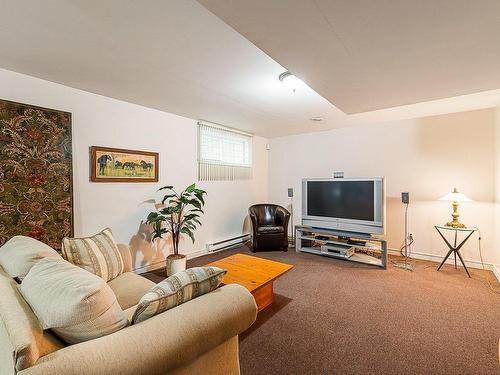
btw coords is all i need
(269, 227)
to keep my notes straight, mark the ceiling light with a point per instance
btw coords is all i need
(290, 81)
(316, 119)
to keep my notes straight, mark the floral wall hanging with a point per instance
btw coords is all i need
(36, 176)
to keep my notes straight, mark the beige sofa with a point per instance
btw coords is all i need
(198, 337)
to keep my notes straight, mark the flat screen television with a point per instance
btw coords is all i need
(350, 205)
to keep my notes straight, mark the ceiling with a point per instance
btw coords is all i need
(363, 55)
(178, 57)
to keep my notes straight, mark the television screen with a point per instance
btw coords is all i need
(341, 199)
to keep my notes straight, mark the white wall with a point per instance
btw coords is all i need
(426, 156)
(103, 121)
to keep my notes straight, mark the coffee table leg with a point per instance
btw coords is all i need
(263, 296)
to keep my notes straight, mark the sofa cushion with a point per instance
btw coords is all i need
(20, 253)
(129, 288)
(21, 332)
(77, 305)
(97, 254)
(271, 229)
(177, 289)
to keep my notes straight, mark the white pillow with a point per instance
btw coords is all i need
(77, 305)
(97, 254)
(20, 253)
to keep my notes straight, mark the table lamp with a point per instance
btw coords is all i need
(454, 197)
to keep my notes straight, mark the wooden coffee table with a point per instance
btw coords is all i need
(255, 274)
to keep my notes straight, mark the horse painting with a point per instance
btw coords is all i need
(128, 165)
(103, 161)
(145, 165)
(120, 165)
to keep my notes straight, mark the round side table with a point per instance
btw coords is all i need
(455, 248)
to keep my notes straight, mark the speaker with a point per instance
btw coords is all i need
(405, 197)
(290, 192)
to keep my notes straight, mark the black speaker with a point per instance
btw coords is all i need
(290, 192)
(405, 197)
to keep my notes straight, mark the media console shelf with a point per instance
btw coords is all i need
(356, 247)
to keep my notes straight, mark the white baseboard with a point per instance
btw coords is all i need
(161, 264)
(191, 255)
(438, 259)
(197, 253)
(496, 272)
(414, 254)
(150, 267)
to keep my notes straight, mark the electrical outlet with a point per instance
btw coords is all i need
(338, 174)
(405, 197)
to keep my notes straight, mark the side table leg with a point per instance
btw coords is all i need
(455, 259)
(444, 260)
(466, 270)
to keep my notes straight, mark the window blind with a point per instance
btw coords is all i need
(223, 154)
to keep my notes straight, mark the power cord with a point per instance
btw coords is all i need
(405, 249)
(484, 279)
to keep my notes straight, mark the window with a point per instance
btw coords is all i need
(223, 154)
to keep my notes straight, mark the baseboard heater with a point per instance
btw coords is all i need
(225, 244)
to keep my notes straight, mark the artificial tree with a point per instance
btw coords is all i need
(178, 214)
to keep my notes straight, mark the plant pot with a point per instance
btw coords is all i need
(175, 263)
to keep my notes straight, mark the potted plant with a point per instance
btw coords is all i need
(177, 214)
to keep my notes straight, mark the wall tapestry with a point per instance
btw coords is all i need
(119, 165)
(36, 175)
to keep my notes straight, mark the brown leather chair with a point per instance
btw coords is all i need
(269, 227)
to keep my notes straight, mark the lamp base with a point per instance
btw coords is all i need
(455, 224)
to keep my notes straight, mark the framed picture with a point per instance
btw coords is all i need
(120, 165)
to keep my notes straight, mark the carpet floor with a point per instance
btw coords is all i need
(335, 317)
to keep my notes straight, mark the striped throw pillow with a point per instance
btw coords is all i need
(177, 289)
(97, 254)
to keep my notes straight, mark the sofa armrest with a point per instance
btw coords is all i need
(126, 256)
(161, 343)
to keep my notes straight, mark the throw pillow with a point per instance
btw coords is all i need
(97, 254)
(177, 289)
(20, 325)
(20, 253)
(77, 305)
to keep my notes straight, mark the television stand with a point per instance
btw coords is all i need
(356, 247)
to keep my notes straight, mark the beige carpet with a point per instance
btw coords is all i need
(335, 317)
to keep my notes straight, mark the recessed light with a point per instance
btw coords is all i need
(290, 81)
(316, 119)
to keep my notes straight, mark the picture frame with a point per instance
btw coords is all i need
(122, 165)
